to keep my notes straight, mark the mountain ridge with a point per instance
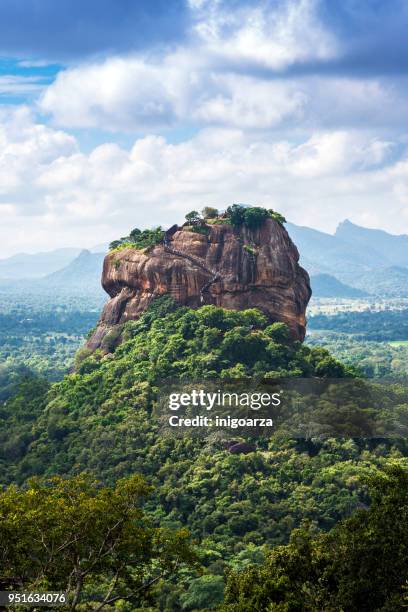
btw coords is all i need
(362, 258)
(372, 261)
(27, 266)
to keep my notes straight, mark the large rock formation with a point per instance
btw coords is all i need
(233, 268)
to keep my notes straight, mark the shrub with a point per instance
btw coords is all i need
(139, 239)
(219, 221)
(200, 229)
(255, 216)
(209, 212)
(112, 338)
(249, 249)
(236, 214)
(80, 356)
(193, 218)
(251, 216)
(276, 216)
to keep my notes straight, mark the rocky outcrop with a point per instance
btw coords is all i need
(228, 267)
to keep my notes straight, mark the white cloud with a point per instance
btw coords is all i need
(339, 152)
(25, 148)
(250, 103)
(271, 34)
(231, 73)
(210, 79)
(119, 93)
(53, 194)
(128, 94)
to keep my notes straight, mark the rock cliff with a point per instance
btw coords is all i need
(228, 267)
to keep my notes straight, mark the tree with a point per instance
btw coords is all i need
(360, 566)
(139, 239)
(255, 216)
(369, 563)
(135, 233)
(209, 212)
(114, 244)
(236, 214)
(204, 592)
(276, 216)
(279, 332)
(251, 216)
(75, 534)
(193, 218)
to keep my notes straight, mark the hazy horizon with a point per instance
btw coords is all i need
(93, 246)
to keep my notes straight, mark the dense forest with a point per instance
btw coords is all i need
(279, 515)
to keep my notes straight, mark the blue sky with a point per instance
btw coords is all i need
(116, 113)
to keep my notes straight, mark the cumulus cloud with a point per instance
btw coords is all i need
(25, 147)
(118, 93)
(270, 34)
(238, 68)
(211, 80)
(249, 103)
(54, 194)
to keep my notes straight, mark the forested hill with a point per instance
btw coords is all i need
(98, 417)
(98, 420)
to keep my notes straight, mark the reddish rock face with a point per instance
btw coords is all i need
(197, 269)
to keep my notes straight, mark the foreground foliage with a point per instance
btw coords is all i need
(361, 565)
(90, 541)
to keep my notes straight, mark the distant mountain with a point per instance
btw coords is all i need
(391, 282)
(40, 265)
(79, 280)
(83, 273)
(370, 260)
(393, 248)
(322, 253)
(36, 265)
(325, 285)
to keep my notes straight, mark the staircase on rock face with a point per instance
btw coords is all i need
(198, 261)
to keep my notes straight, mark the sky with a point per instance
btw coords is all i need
(117, 114)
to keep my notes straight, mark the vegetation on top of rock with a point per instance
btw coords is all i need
(251, 216)
(237, 215)
(209, 212)
(139, 239)
(196, 223)
(193, 218)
